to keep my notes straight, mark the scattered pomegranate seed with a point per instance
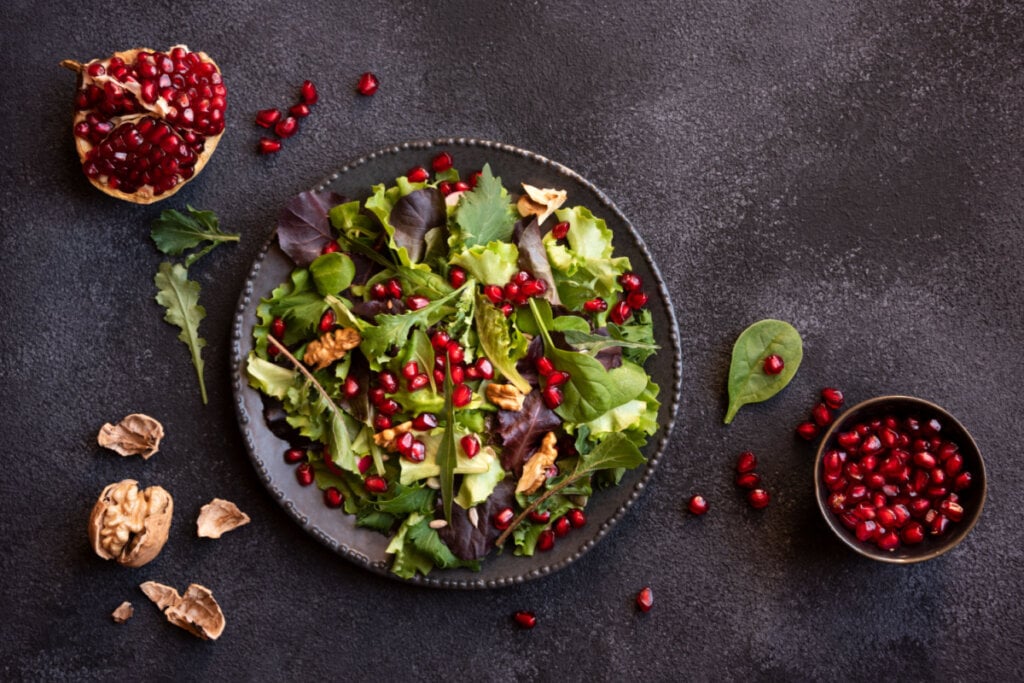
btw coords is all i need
(698, 505)
(645, 599)
(389, 407)
(286, 127)
(351, 387)
(474, 178)
(417, 452)
(442, 162)
(388, 381)
(485, 368)
(381, 422)
(367, 84)
(266, 118)
(333, 498)
(304, 473)
(278, 328)
(327, 321)
(299, 111)
(833, 398)
(417, 174)
(544, 366)
(457, 276)
(758, 499)
(773, 364)
(821, 415)
(807, 430)
(308, 92)
(331, 247)
(394, 288)
(294, 455)
(748, 480)
(560, 230)
(746, 462)
(637, 300)
(596, 305)
(268, 146)
(446, 187)
(546, 540)
(455, 352)
(576, 518)
(378, 291)
(524, 619)
(460, 186)
(375, 484)
(495, 293)
(561, 527)
(416, 302)
(557, 378)
(424, 422)
(470, 445)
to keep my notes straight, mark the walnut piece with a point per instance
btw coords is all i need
(218, 517)
(540, 202)
(331, 346)
(123, 613)
(196, 611)
(386, 438)
(129, 525)
(505, 396)
(535, 469)
(136, 434)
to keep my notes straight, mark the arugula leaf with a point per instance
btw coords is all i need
(395, 329)
(174, 233)
(422, 351)
(180, 296)
(408, 499)
(446, 453)
(485, 214)
(496, 341)
(428, 542)
(613, 452)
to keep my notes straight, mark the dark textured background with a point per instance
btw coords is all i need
(856, 170)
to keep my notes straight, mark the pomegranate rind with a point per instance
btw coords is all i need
(145, 194)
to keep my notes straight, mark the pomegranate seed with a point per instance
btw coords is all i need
(460, 186)
(511, 290)
(645, 599)
(576, 518)
(821, 415)
(410, 369)
(552, 396)
(304, 473)
(442, 162)
(376, 395)
(474, 178)
(866, 530)
(807, 430)
(331, 247)
(470, 445)
(367, 84)
(375, 484)
(299, 111)
(294, 455)
(620, 312)
(416, 302)
(394, 288)
(461, 395)
(439, 340)
(424, 422)
(388, 381)
(746, 462)
(546, 540)
(389, 407)
(503, 518)
(630, 281)
(953, 511)
(333, 498)
(524, 619)
(278, 328)
(637, 300)
(404, 442)
(748, 480)
(327, 321)
(561, 526)
(418, 382)
(912, 534)
(417, 452)
(446, 187)
(837, 502)
(924, 460)
(848, 440)
(268, 146)
(533, 288)
(455, 352)
(364, 464)
(962, 481)
(773, 364)
(557, 378)
(495, 293)
(698, 505)
(457, 276)
(378, 292)
(953, 465)
(888, 541)
(266, 118)
(539, 516)
(308, 92)
(417, 174)
(286, 127)
(560, 230)
(758, 499)
(351, 387)
(833, 460)
(544, 366)
(439, 376)
(871, 445)
(833, 398)
(596, 305)
(485, 368)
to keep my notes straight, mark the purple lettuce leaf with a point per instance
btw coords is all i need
(303, 227)
(522, 431)
(415, 214)
(468, 542)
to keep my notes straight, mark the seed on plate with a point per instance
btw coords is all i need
(437, 524)
(807, 430)
(308, 92)
(471, 514)
(546, 540)
(442, 162)
(758, 499)
(333, 498)
(746, 462)
(833, 398)
(266, 118)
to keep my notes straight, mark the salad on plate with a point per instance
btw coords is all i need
(457, 366)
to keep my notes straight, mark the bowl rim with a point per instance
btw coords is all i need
(820, 492)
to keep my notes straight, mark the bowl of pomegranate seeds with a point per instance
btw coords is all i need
(899, 479)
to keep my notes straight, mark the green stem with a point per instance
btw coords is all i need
(518, 519)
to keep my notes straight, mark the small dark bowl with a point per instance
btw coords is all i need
(972, 499)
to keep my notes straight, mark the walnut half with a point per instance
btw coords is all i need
(505, 396)
(196, 611)
(331, 346)
(535, 469)
(129, 525)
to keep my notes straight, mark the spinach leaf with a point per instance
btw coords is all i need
(332, 272)
(303, 227)
(748, 382)
(614, 451)
(485, 213)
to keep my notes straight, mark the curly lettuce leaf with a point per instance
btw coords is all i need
(584, 268)
(493, 263)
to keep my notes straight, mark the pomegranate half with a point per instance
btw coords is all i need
(146, 122)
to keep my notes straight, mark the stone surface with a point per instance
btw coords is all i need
(853, 168)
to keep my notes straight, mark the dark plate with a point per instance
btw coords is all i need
(337, 530)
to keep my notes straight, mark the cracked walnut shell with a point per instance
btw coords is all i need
(218, 517)
(535, 469)
(130, 525)
(136, 434)
(196, 611)
(331, 346)
(505, 396)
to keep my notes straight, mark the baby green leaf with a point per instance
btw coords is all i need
(496, 342)
(748, 382)
(180, 296)
(332, 272)
(615, 450)
(485, 214)
(175, 232)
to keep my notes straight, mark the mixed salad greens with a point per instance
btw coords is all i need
(461, 367)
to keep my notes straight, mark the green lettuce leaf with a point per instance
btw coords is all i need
(498, 343)
(270, 378)
(495, 263)
(485, 214)
(476, 488)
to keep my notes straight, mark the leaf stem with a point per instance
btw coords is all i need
(518, 519)
(302, 368)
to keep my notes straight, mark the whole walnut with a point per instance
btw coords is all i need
(130, 525)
